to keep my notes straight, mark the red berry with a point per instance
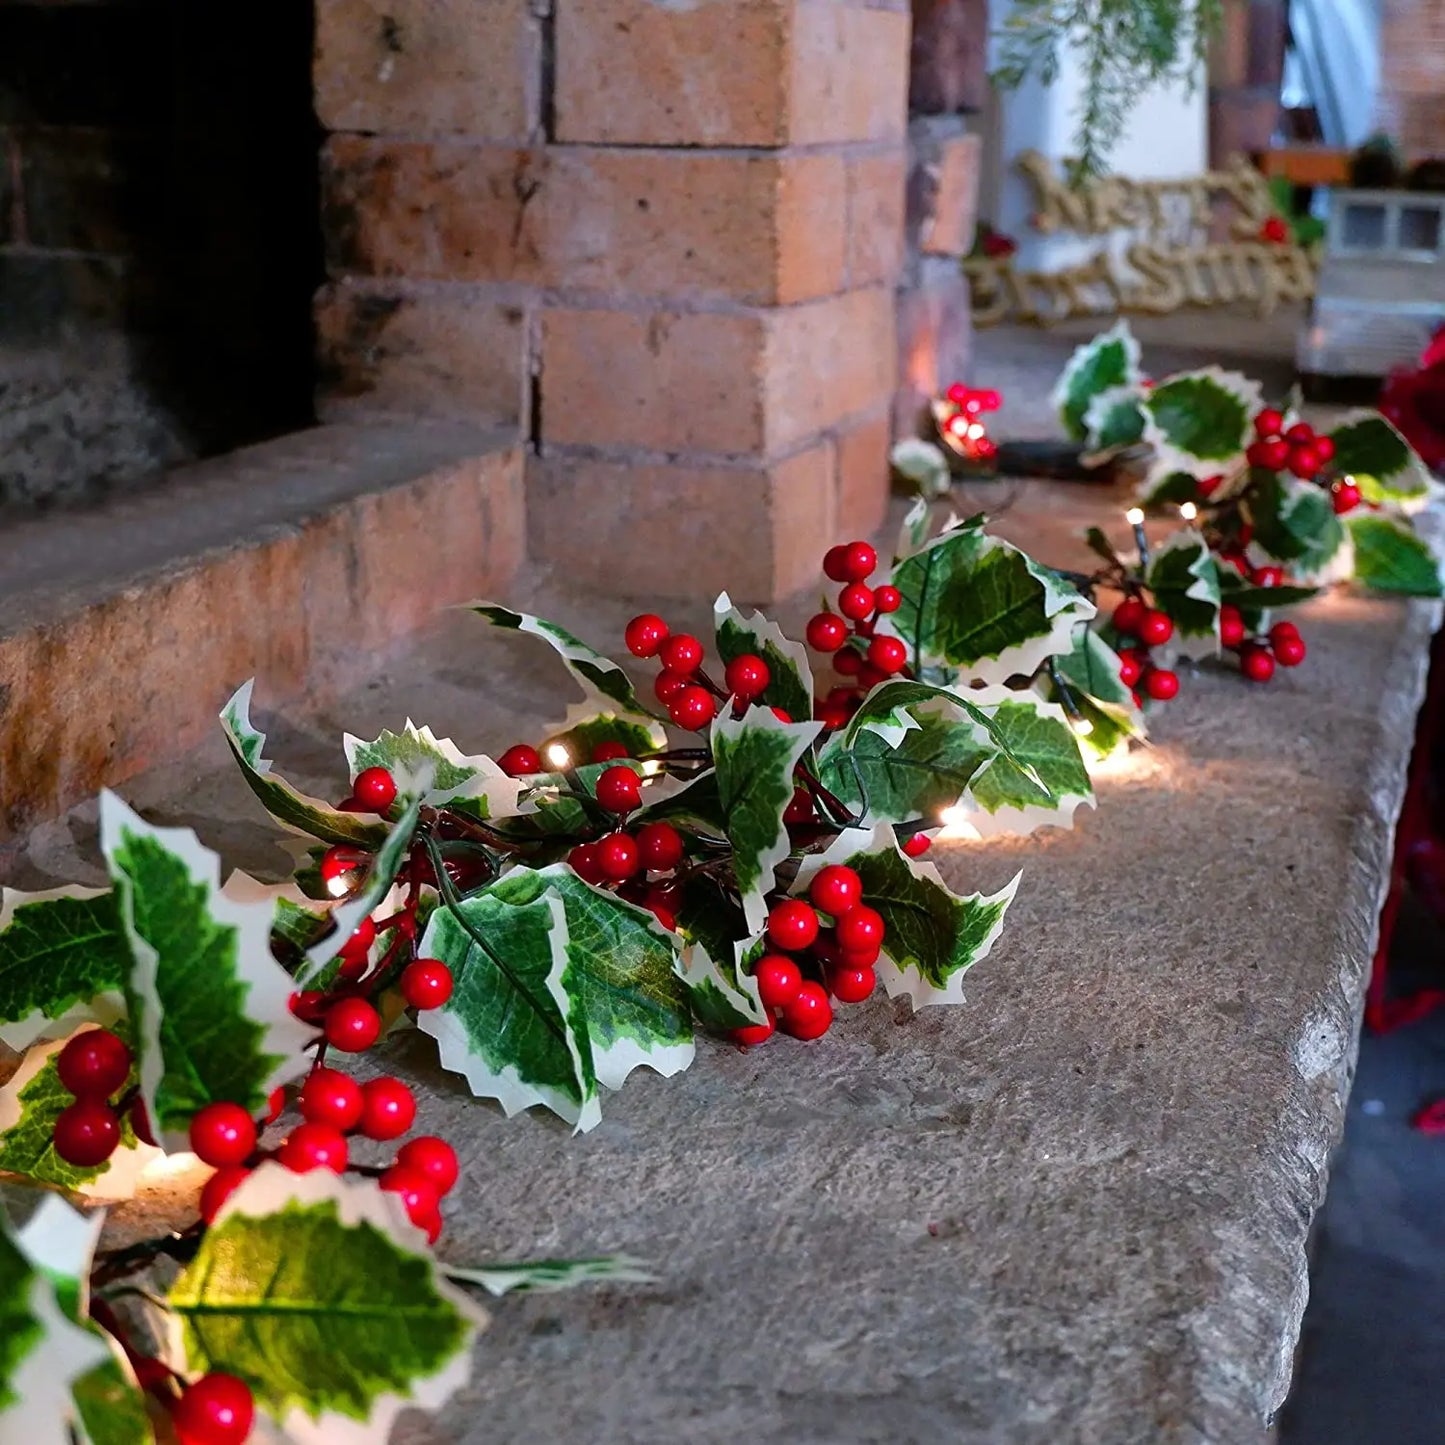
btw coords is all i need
(1283, 629)
(746, 677)
(855, 601)
(792, 924)
(1207, 486)
(1326, 448)
(585, 863)
(1156, 629)
(1131, 666)
(433, 1157)
(779, 980)
(388, 1108)
(1300, 434)
(869, 677)
(917, 845)
(835, 564)
(660, 910)
(87, 1133)
(753, 1034)
(888, 655)
(219, 1188)
(1273, 455)
(222, 1133)
(93, 1065)
(693, 708)
(1305, 462)
(1288, 651)
(619, 790)
(860, 561)
(659, 845)
(275, 1103)
(609, 752)
(827, 632)
(1267, 423)
(308, 1004)
(860, 957)
(216, 1410)
(860, 928)
(958, 393)
(681, 654)
(376, 788)
(1161, 684)
(1345, 497)
(332, 1098)
(1256, 663)
(887, 599)
(313, 1146)
(337, 861)
(645, 634)
(1128, 615)
(618, 856)
(520, 761)
(852, 985)
(834, 716)
(1267, 576)
(847, 662)
(836, 889)
(782, 714)
(352, 1025)
(358, 946)
(1231, 626)
(667, 686)
(810, 1014)
(801, 809)
(417, 1193)
(426, 983)
(140, 1122)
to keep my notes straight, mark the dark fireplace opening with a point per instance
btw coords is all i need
(159, 237)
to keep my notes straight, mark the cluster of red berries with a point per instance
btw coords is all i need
(682, 687)
(849, 635)
(1148, 628)
(94, 1066)
(962, 426)
(1258, 655)
(1275, 230)
(374, 791)
(627, 857)
(814, 961)
(1298, 449)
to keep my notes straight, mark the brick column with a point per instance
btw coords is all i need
(1246, 65)
(1411, 102)
(661, 241)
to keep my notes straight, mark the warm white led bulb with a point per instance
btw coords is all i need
(1188, 511)
(1134, 516)
(558, 756)
(1082, 727)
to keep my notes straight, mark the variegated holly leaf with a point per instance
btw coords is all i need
(1198, 422)
(621, 972)
(110, 1406)
(473, 785)
(932, 935)
(1391, 556)
(923, 464)
(32, 1099)
(1042, 780)
(1092, 668)
(721, 991)
(1114, 420)
(1107, 363)
(1184, 579)
(208, 1002)
(563, 804)
(289, 806)
(1253, 602)
(913, 530)
(1380, 462)
(695, 804)
(547, 1276)
(754, 758)
(64, 959)
(1294, 522)
(1109, 717)
(319, 1293)
(790, 676)
(604, 683)
(43, 1351)
(976, 604)
(515, 1026)
(586, 729)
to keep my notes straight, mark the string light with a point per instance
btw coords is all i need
(558, 756)
(343, 885)
(1135, 518)
(956, 823)
(1082, 726)
(1188, 511)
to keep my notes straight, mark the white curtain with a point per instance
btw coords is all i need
(1336, 64)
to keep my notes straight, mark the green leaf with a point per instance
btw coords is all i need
(287, 805)
(790, 681)
(554, 810)
(694, 805)
(317, 1292)
(1169, 487)
(605, 684)
(1199, 421)
(923, 464)
(722, 993)
(1391, 556)
(976, 603)
(621, 970)
(547, 1276)
(585, 730)
(437, 770)
(64, 959)
(515, 1026)
(754, 758)
(932, 935)
(1091, 668)
(112, 1409)
(1184, 579)
(1108, 362)
(1295, 522)
(1115, 420)
(207, 999)
(1252, 599)
(1384, 466)
(913, 531)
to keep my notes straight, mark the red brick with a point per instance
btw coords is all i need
(861, 454)
(849, 74)
(950, 56)
(1242, 121)
(935, 340)
(429, 67)
(875, 218)
(948, 228)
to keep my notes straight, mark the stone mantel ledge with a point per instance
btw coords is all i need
(1074, 1209)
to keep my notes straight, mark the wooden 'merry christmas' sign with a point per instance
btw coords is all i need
(1151, 257)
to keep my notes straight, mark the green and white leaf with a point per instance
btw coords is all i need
(515, 1026)
(289, 806)
(1391, 556)
(1184, 579)
(1384, 466)
(1107, 363)
(585, 728)
(913, 531)
(320, 1294)
(722, 992)
(1294, 522)
(437, 771)
(754, 758)
(110, 1406)
(922, 463)
(621, 971)
(606, 685)
(977, 604)
(548, 1276)
(790, 682)
(64, 960)
(1091, 674)
(932, 935)
(208, 1002)
(1198, 422)
(1115, 420)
